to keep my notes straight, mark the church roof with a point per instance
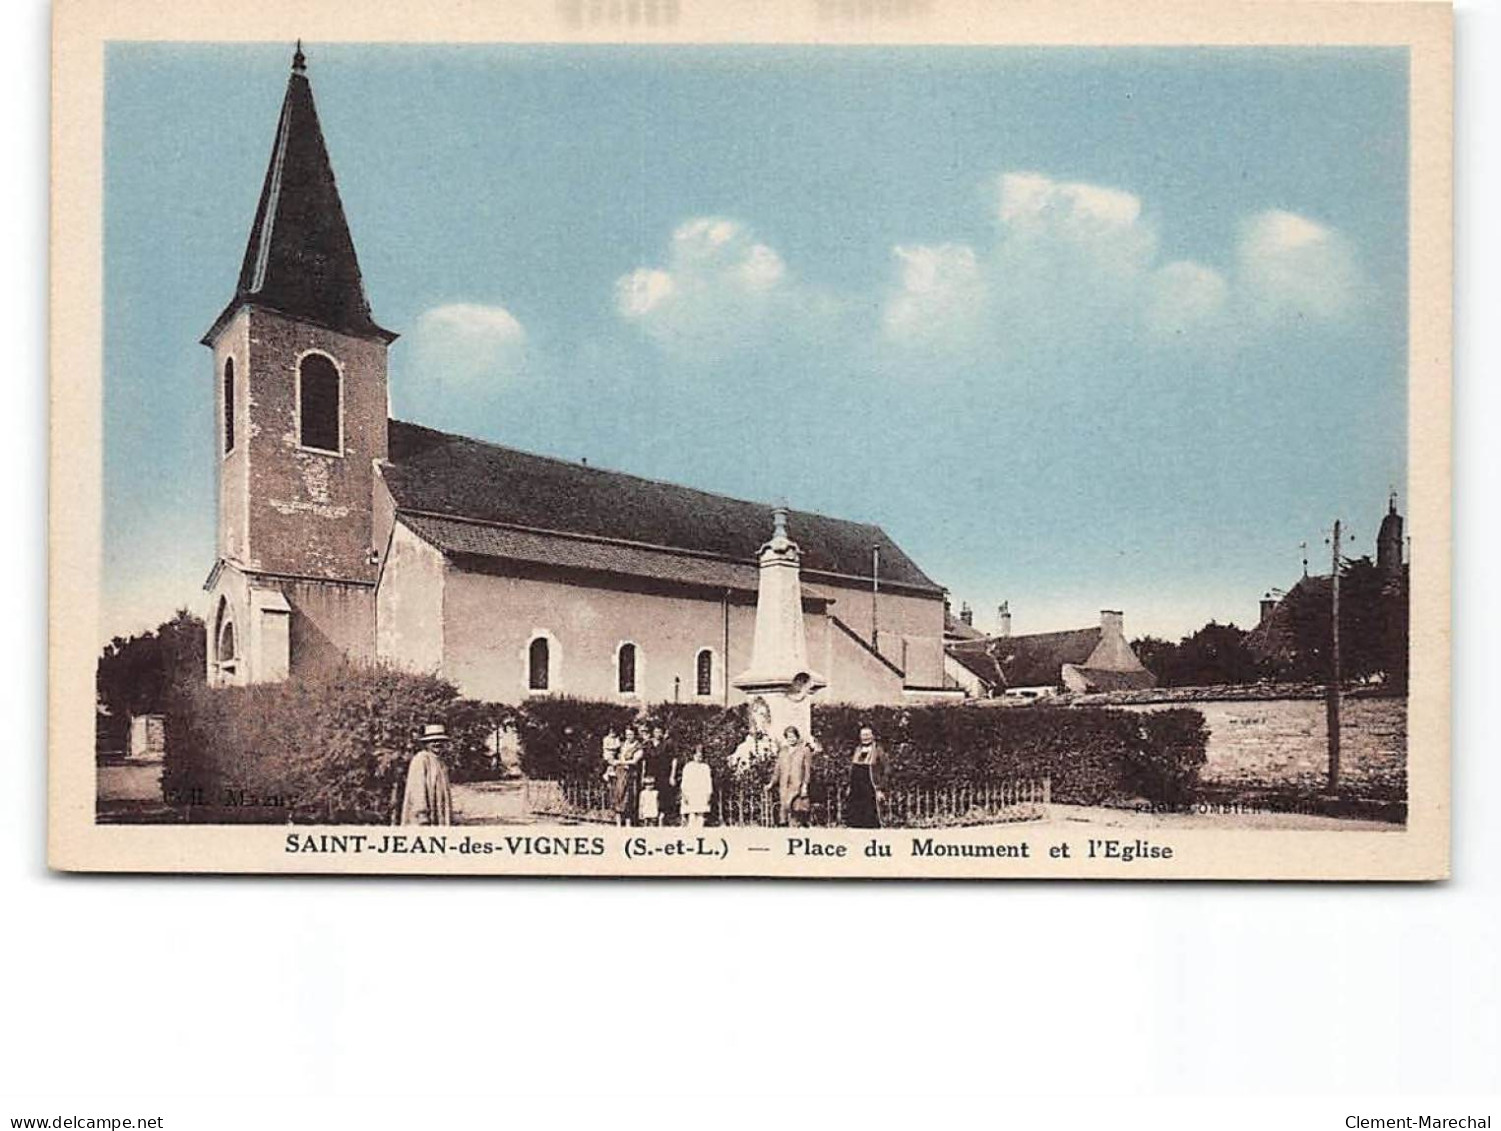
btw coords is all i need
(449, 488)
(300, 258)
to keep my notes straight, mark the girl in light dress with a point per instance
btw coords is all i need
(696, 789)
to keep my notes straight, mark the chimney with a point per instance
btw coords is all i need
(966, 614)
(1268, 605)
(1113, 622)
(1004, 617)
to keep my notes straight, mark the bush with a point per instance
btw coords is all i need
(331, 747)
(1091, 755)
(334, 747)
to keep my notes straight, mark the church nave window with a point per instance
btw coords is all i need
(703, 670)
(625, 668)
(538, 658)
(318, 407)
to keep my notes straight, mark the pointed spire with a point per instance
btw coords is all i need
(300, 259)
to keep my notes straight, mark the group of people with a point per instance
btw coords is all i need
(650, 785)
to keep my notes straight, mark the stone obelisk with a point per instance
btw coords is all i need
(779, 674)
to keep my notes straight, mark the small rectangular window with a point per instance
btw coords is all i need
(229, 405)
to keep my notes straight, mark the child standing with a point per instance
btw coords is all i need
(696, 790)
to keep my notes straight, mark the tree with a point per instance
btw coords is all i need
(1372, 626)
(136, 674)
(1215, 654)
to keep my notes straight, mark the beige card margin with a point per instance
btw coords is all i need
(82, 27)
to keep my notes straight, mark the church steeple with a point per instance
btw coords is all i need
(300, 259)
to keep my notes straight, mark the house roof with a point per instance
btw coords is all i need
(300, 258)
(1027, 661)
(1037, 660)
(472, 485)
(1106, 679)
(976, 659)
(956, 629)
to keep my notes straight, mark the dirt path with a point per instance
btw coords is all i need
(489, 803)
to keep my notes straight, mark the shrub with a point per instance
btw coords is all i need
(334, 747)
(562, 738)
(331, 747)
(1091, 755)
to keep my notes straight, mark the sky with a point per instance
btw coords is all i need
(1080, 328)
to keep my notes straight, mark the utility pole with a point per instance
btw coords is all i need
(1332, 693)
(875, 596)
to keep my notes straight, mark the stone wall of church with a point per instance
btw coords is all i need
(329, 621)
(310, 512)
(233, 346)
(409, 602)
(490, 621)
(910, 627)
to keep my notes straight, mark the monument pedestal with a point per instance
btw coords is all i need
(779, 683)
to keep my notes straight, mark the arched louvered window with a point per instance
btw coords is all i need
(226, 645)
(229, 405)
(318, 407)
(538, 658)
(704, 672)
(625, 668)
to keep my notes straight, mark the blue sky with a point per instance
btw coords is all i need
(1081, 328)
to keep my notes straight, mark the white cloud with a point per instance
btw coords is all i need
(1102, 227)
(1072, 267)
(1185, 297)
(1075, 264)
(1289, 265)
(719, 286)
(939, 293)
(467, 344)
(642, 291)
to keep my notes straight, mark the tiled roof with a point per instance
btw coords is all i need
(1104, 679)
(956, 629)
(461, 537)
(976, 659)
(454, 477)
(1036, 660)
(300, 258)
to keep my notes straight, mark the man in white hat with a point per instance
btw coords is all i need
(428, 799)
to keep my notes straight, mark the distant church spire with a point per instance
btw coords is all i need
(1389, 539)
(300, 258)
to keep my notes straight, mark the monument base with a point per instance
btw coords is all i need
(784, 706)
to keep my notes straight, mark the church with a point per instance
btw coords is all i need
(344, 533)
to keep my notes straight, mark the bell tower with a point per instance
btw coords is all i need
(300, 418)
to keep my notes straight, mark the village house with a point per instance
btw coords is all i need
(342, 532)
(1042, 664)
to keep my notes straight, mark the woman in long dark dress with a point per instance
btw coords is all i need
(862, 806)
(625, 781)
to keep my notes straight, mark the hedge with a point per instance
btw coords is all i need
(330, 747)
(334, 747)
